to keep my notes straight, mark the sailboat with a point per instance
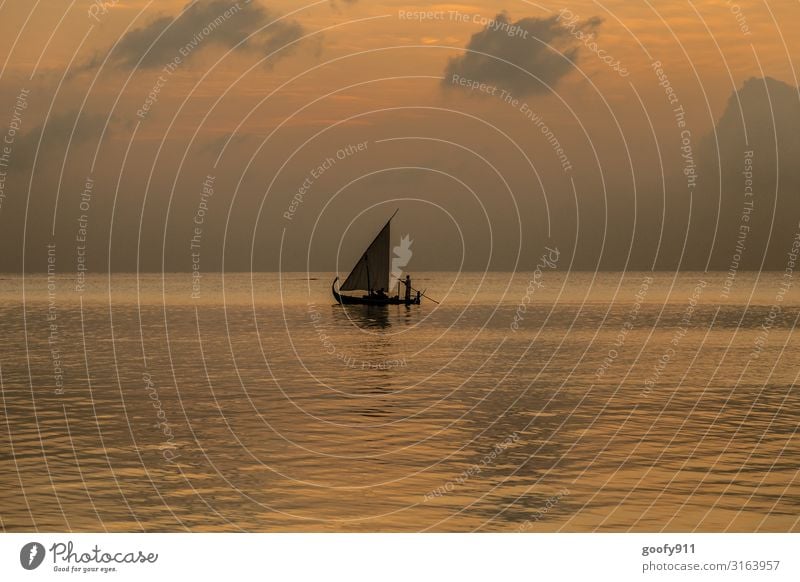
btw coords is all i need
(371, 274)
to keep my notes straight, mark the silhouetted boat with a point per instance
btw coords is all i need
(371, 274)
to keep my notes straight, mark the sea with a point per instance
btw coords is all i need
(544, 401)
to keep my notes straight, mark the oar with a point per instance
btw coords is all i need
(429, 298)
(418, 291)
(425, 296)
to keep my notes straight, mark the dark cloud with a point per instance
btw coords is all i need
(719, 225)
(522, 57)
(62, 133)
(201, 24)
(763, 117)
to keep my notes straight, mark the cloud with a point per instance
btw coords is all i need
(201, 24)
(63, 133)
(754, 149)
(523, 57)
(770, 110)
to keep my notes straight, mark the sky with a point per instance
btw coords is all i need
(267, 135)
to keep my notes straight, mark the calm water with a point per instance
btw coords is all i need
(618, 403)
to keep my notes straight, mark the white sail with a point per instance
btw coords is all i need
(372, 270)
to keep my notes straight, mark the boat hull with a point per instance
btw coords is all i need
(370, 299)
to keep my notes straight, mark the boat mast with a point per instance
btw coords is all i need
(366, 264)
(364, 272)
(389, 258)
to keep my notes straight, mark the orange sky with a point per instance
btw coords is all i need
(345, 72)
(704, 39)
